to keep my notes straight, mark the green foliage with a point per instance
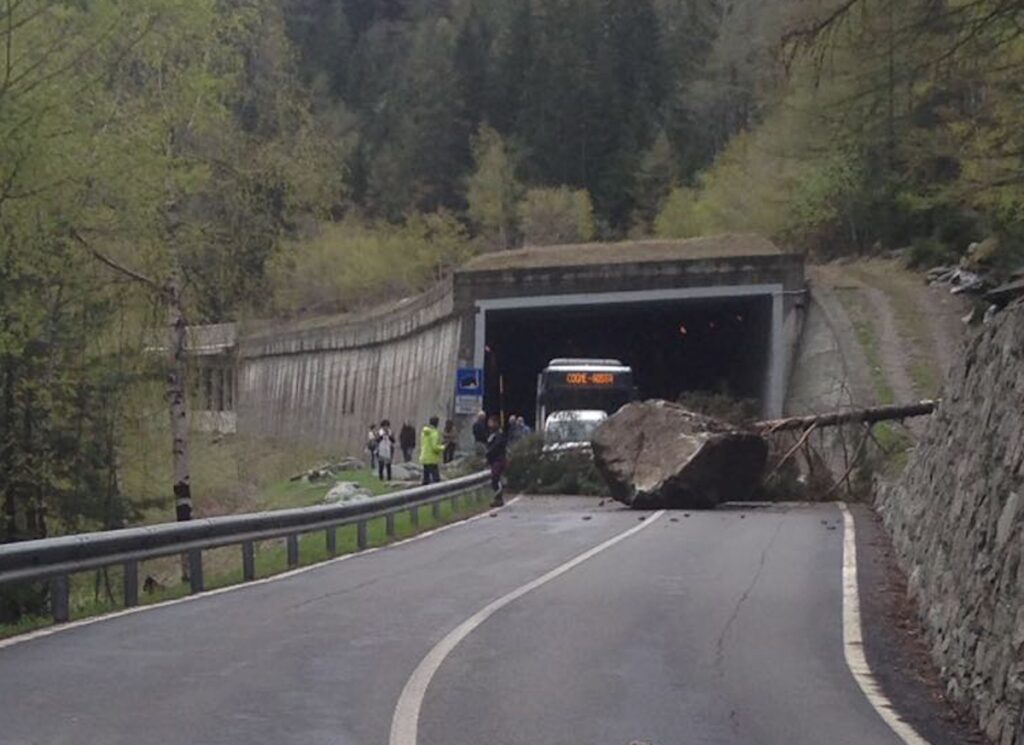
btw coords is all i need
(532, 471)
(892, 125)
(556, 216)
(351, 264)
(493, 192)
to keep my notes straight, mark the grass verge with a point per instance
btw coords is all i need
(856, 307)
(97, 593)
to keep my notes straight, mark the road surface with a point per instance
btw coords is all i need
(722, 628)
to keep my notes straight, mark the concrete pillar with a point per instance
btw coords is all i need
(775, 377)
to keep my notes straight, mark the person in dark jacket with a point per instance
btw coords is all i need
(497, 458)
(480, 431)
(451, 438)
(407, 441)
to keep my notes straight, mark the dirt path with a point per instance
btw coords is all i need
(906, 334)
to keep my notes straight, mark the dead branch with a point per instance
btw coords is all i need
(869, 415)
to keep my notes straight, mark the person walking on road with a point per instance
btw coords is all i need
(371, 446)
(385, 450)
(450, 440)
(407, 441)
(480, 432)
(431, 450)
(497, 459)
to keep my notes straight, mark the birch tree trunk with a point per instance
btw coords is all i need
(177, 398)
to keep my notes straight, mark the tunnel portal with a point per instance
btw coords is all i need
(717, 345)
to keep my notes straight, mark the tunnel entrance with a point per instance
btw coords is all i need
(717, 345)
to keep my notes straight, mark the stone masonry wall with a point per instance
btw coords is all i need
(957, 522)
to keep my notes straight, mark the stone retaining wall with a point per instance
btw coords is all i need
(957, 522)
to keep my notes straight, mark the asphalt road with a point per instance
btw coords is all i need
(720, 628)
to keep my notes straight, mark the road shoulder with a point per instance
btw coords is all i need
(894, 640)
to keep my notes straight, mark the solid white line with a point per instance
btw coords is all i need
(853, 639)
(50, 630)
(405, 723)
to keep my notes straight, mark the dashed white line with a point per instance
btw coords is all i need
(405, 722)
(853, 639)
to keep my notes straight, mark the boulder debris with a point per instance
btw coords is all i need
(656, 455)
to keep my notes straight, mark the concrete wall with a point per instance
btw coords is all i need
(957, 522)
(324, 384)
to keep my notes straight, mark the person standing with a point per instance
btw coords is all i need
(497, 459)
(407, 441)
(431, 450)
(371, 446)
(480, 432)
(515, 430)
(450, 440)
(524, 428)
(385, 450)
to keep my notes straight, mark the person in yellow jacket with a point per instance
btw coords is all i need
(431, 450)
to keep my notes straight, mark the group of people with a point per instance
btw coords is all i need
(435, 447)
(438, 446)
(494, 443)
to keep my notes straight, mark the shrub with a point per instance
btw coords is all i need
(532, 471)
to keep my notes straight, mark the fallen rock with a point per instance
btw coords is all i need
(657, 455)
(407, 472)
(347, 491)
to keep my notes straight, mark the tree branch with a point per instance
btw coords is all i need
(116, 266)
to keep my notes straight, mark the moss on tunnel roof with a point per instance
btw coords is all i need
(728, 246)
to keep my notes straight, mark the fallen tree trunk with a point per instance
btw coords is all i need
(868, 416)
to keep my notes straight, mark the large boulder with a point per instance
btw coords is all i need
(657, 454)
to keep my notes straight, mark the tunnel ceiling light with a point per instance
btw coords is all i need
(682, 329)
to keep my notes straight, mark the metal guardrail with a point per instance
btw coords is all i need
(57, 558)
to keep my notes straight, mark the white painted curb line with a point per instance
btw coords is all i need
(853, 639)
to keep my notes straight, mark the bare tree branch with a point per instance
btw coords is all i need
(116, 266)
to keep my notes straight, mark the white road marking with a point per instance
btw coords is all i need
(50, 630)
(405, 723)
(853, 639)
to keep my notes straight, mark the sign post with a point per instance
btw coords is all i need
(469, 390)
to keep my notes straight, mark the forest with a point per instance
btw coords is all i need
(236, 159)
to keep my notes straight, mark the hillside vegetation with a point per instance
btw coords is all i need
(282, 157)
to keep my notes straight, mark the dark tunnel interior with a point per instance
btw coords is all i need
(719, 345)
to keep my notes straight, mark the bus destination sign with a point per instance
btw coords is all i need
(590, 378)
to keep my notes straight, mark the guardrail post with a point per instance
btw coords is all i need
(131, 584)
(60, 598)
(389, 524)
(361, 539)
(455, 503)
(332, 541)
(414, 516)
(195, 570)
(435, 509)
(293, 551)
(248, 561)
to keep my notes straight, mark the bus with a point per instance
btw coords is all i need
(583, 385)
